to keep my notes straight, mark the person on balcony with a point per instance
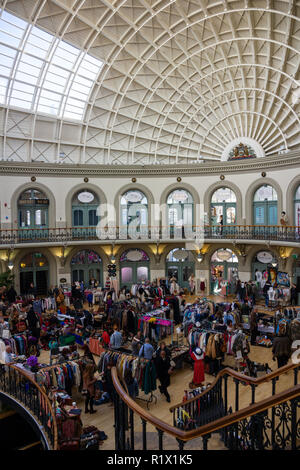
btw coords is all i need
(221, 223)
(283, 219)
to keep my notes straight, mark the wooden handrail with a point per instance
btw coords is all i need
(242, 378)
(45, 397)
(206, 428)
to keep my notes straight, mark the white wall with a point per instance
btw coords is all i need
(60, 187)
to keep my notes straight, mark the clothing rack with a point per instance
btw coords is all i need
(159, 318)
(152, 397)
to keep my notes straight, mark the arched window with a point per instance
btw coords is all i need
(223, 203)
(34, 270)
(133, 215)
(265, 206)
(86, 266)
(33, 207)
(180, 264)
(84, 209)
(297, 208)
(180, 207)
(223, 267)
(134, 267)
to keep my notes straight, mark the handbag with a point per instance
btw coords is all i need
(84, 392)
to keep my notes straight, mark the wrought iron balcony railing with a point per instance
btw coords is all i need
(154, 233)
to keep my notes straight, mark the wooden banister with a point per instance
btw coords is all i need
(213, 426)
(242, 378)
(45, 398)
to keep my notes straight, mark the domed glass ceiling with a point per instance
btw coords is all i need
(148, 81)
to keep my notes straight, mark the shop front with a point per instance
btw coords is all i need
(223, 271)
(34, 268)
(134, 267)
(180, 264)
(85, 266)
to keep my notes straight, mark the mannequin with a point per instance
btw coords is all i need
(271, 294)
(258, 276)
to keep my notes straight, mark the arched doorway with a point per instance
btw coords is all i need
(223, 203)
(87, 265)
(84, 213)
(265, 206)
(223, 267)
(180, 207)
(180, 264)
(134, 267)
(134, 215)
(34, 268)
(33, 216)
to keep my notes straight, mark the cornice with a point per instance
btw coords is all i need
(275, 163)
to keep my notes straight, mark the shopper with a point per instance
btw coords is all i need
(137, 343)
(116, 339)
(253, 326)
(146, 350)
(164, 370)
(89, 387)
(281, 346)
(162, 347)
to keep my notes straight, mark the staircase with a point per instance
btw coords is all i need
(210, 422)
(22, 394)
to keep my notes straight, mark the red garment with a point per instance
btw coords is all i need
(198, 370)
(105, 337)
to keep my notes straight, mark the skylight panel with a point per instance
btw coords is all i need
(50, 76)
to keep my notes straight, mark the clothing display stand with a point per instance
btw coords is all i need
(148, 400)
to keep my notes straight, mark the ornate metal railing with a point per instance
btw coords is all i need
(214, 402)
(22, 390)
(273, 423)
(209, 232)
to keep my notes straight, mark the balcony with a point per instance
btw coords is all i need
(206, 233)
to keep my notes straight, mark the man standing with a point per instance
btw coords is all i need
(146, 350)
(163, 370)
(116, 339)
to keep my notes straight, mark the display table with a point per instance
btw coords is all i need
(95, 346)
(179, 355)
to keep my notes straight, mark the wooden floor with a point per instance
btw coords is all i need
(104, 418)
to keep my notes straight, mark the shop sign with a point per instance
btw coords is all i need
(86, 197)
(180, 255)
(264, 257)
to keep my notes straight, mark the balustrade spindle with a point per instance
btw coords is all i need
(131, 417)
(205, 441)
(160, 439)
(144, 426)
(237, 384)
(180, 444)
(253, 389)
(296, 375)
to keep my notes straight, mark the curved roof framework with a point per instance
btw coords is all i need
(149, 81)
